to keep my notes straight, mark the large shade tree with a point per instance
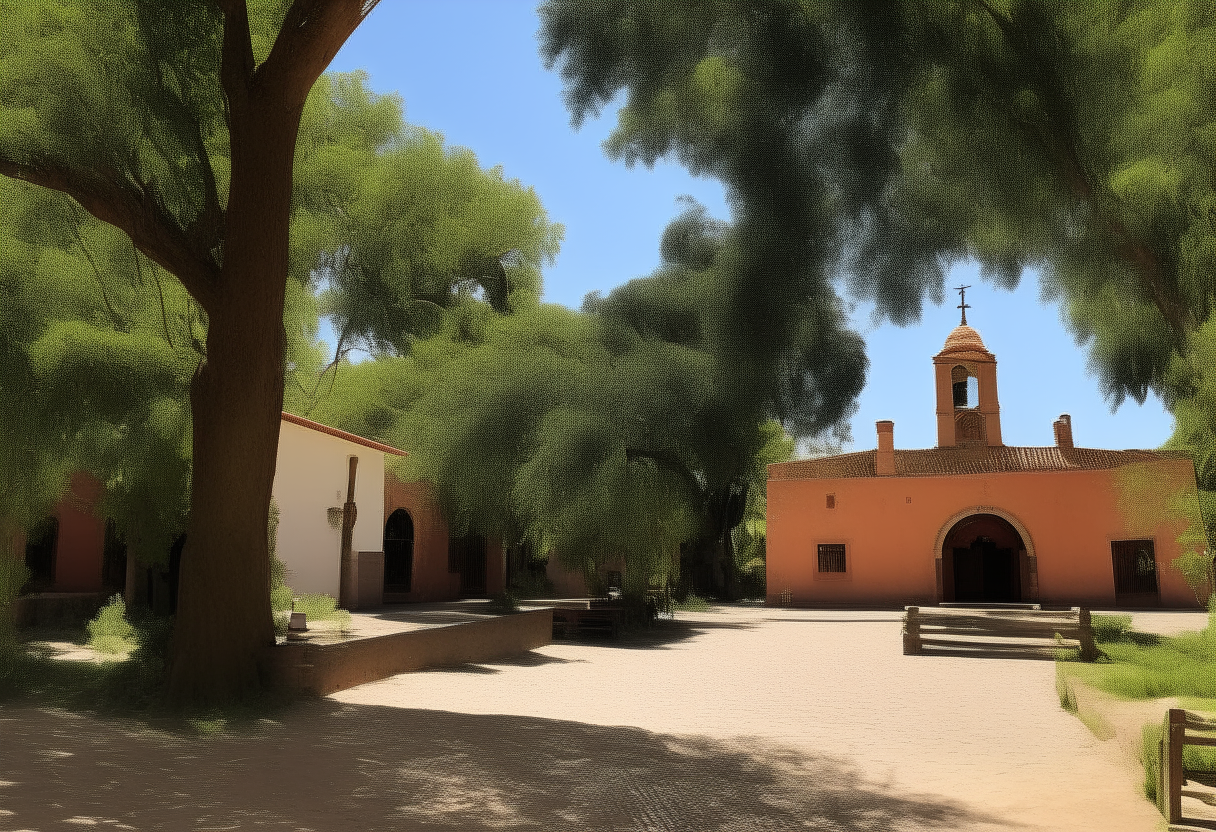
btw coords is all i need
(121, 106)
(357, 168)
(621, 432)
(1073, 138)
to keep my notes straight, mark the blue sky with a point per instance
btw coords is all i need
(469, 69)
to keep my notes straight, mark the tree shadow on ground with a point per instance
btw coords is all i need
(659, 634)
(324, 765)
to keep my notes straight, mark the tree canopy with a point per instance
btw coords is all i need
(177, 123)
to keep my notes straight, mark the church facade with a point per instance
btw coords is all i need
(974, 520)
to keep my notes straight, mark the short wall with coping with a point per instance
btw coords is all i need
(326, 668)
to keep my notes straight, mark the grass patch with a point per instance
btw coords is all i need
(692, 603)
(1108, 628)
(323, 608)
(130, 687)
(1147, 666)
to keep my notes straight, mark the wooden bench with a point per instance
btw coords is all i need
(597, 619)
(1171, 773)
(1013, 630)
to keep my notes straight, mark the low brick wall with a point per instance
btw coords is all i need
(326, 668)
(71, 609)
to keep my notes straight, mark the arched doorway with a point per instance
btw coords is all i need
(398, 551)
(982, 557)
(41, 545)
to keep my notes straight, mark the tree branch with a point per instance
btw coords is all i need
(236, 57)
(107, 197)
(672, 463)
(119, 323)
(313, 31)
(160, 291)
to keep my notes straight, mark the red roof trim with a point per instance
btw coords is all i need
(340, 434)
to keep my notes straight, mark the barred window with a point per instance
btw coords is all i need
(831, 557)
(1135, 565)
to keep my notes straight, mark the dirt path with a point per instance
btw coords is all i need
(743, 719)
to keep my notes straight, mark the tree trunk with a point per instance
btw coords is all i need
(223, 619)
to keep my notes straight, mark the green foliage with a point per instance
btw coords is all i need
(1150, 757)
(505, 602)
(621, 431)
(1067, 700)
(401, 227)
(318, 607)
(1149, 496)
(109, 631)
(693, 603)
(1194, 758)
(1176, 666)
(1108, 628)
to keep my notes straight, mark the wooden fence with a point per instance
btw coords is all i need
(1014, 631)
(1171, 773)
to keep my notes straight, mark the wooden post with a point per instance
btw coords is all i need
(912, 631)
(1176, 738)
(1089, 650)
(348, 587)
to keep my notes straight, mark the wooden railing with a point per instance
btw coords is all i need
(1014, 630)
(1171, 773)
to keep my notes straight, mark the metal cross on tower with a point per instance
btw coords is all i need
(962, 296)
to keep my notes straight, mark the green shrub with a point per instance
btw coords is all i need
(110, 632)
(693, 603)
(505, 602)
(323, 608)
(1108, 628)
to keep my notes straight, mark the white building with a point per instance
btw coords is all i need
(310, 485)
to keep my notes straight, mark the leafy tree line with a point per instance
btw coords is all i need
(1075, 139)
(613, 433)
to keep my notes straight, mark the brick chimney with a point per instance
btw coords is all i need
(885, 463)
(1063, 431)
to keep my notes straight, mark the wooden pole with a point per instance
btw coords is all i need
(1177, 736)
(347, 586)
(912, 631)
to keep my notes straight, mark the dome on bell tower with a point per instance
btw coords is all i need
(964, 339)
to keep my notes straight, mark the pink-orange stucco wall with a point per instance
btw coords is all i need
(78, 552)
(431, 579)
(893, 528)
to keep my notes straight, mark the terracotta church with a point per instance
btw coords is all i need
(973, 520)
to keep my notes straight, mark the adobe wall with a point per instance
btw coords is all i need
(431, 579)
(892, 527)
(78, 552)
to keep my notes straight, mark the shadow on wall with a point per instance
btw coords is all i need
(326, 765)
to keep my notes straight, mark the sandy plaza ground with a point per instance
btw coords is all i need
(743, 718)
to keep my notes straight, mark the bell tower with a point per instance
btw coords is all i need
(968, 413)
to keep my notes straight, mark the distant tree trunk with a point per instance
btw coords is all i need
(223, 618)
(131, 583)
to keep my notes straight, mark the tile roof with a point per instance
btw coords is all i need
(984, 459)
(341, 434)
